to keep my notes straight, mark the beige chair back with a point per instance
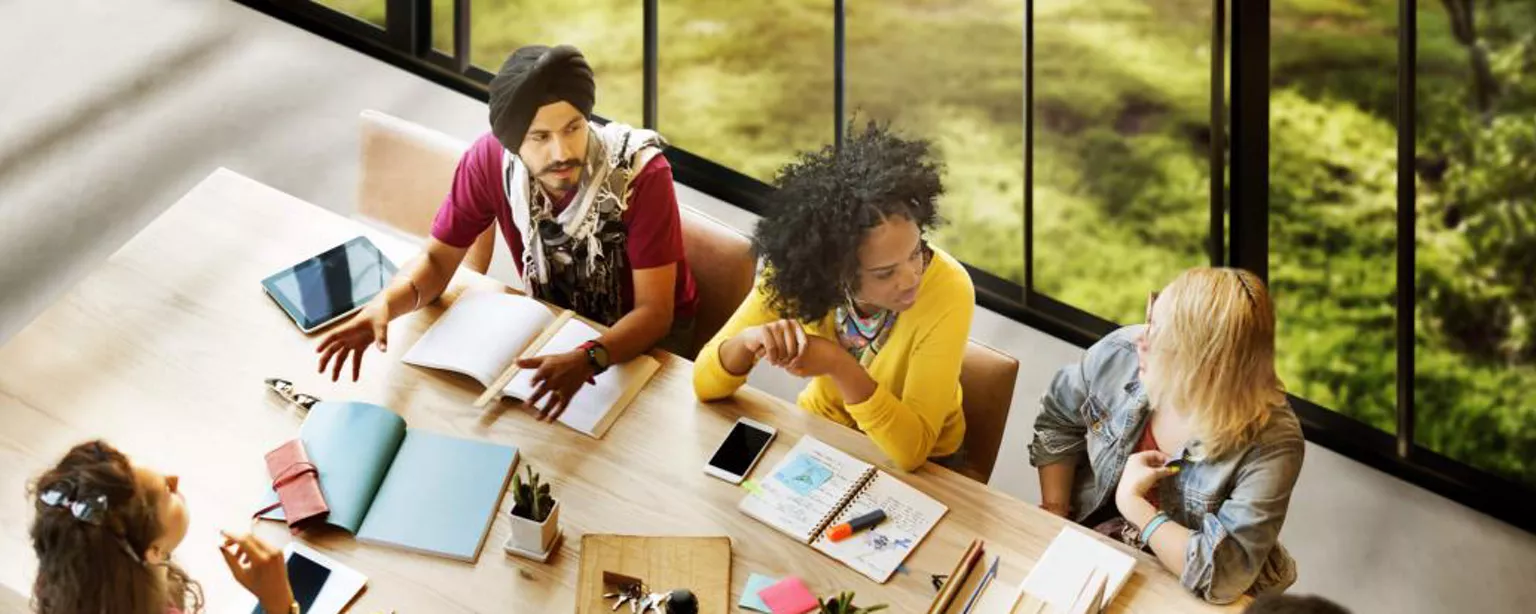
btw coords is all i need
(723, 269)
(407, 170)
(987, 377)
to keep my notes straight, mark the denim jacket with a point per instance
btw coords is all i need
(1094, 413)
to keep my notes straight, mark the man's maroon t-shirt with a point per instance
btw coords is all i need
(654, 232)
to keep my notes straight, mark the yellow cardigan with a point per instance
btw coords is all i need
(915, 410)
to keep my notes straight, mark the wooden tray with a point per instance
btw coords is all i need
(699, 564)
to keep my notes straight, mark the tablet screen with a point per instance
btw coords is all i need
(306, 578)
(331, 284)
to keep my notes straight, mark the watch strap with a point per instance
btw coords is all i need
(590, 348)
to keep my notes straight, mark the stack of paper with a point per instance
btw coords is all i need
(1077, 573)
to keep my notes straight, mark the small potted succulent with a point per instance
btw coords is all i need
(535, 516)
(843, 604)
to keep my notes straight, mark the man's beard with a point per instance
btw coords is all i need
(557, 184)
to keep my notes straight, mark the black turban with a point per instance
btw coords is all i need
(535, 76)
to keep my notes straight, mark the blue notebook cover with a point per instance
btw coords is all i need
(409, 488)
(352, 444)
(440, 495)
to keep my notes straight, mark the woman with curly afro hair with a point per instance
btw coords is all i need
(855, 299)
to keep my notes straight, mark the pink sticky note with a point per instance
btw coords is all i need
(789, 596)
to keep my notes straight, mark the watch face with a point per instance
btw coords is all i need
(600, 354)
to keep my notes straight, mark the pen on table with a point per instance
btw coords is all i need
(957, 578)
(986, 579)
(864, 521)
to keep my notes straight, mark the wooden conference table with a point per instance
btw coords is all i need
(162, 352)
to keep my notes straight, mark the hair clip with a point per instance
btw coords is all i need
(284, 389)
(89, 510)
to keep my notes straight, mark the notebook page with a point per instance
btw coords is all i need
(593, 401)
(805, 488)
(441, 495)
(877, 552)
(480, 334)
(1067, 563)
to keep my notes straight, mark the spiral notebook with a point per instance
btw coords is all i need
(818, 486)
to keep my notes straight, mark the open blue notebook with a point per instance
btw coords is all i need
(408, 488)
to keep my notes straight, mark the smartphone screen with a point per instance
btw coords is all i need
(740, 448)
(306, 577)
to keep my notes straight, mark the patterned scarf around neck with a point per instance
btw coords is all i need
(863, 337)
(576, 258)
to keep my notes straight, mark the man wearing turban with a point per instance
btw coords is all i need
(587, 211)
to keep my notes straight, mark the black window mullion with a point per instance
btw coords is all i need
(1029, 151)
(408, 25)
(1249, 209)
(1407, 82)
(839, 68)
(1218, 162)
(461, 46)
(650, 63)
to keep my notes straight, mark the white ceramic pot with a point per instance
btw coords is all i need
(531, 536)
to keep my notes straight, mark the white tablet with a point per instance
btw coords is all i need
(320, 584)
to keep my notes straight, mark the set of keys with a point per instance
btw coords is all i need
(639, 601)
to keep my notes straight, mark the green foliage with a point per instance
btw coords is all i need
(1333, 252)
(843, 604)
(531, 498)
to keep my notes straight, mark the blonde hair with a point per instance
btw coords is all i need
(1212, 343)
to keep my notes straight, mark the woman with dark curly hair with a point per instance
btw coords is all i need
(854, 298)
(104, 532)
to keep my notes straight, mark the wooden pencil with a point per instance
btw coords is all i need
(957, 578)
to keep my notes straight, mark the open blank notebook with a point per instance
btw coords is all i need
(483, 333)
(408, 488)
(818, 486)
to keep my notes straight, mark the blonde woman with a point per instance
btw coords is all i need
(1176, 436)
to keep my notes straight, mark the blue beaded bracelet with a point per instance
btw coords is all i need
(1152, 525)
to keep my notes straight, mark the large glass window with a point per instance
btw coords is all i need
(1476, 170)
(746, 84)
(1333, 203)
(1122, 136)
(610, 33)
(953, 74)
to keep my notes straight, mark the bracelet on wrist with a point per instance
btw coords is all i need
(1152, 526)
(415, 294)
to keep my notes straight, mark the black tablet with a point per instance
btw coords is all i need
(305, 577)
(332, 285)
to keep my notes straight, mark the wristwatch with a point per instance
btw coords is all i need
(597, 356)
